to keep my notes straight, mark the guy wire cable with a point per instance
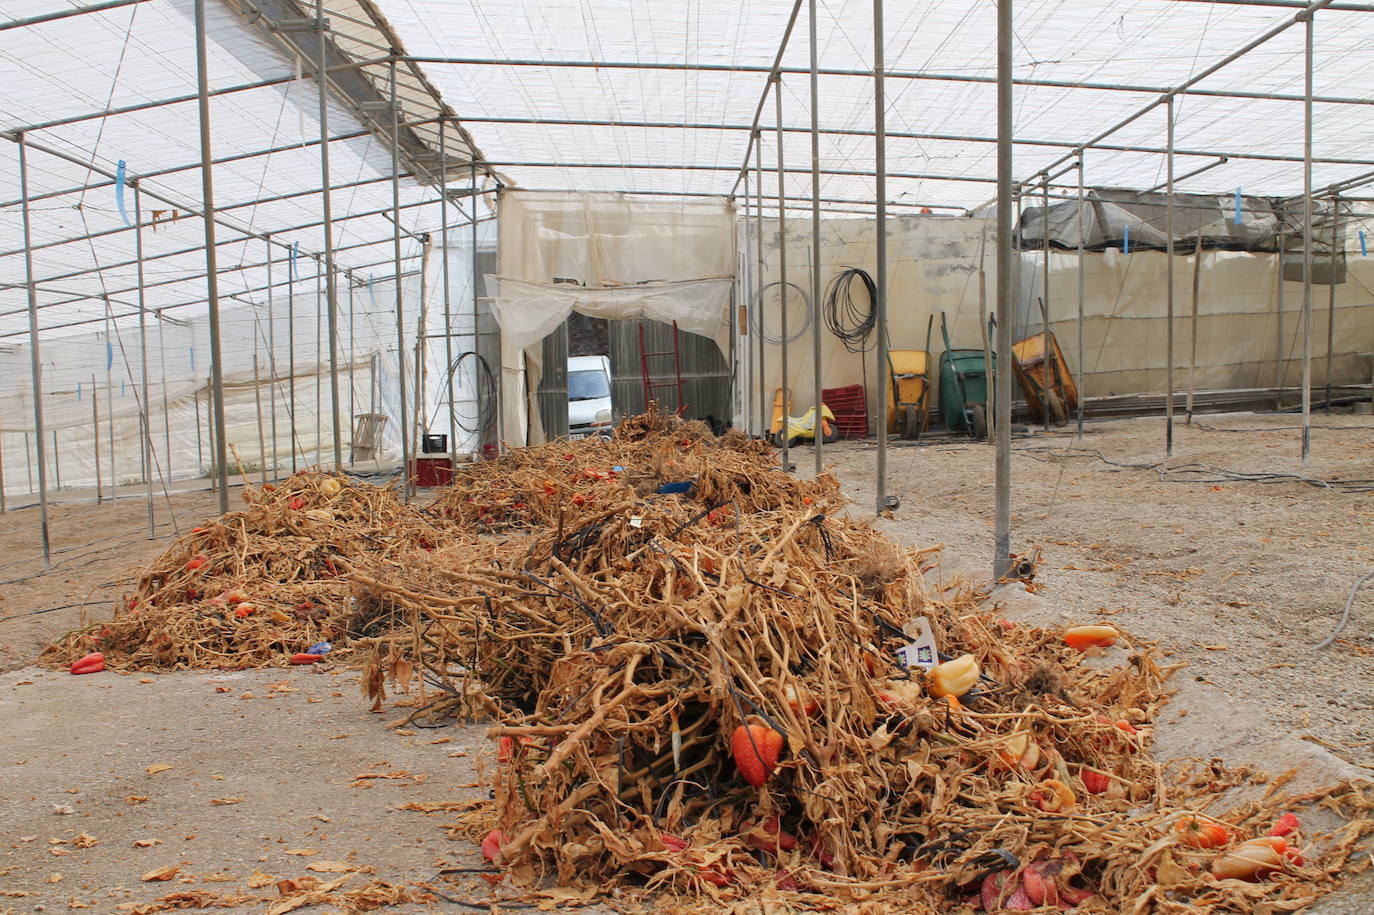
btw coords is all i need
(802, 326)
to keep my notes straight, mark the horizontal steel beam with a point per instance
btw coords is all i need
(890, 134)
(726, 197)
(888, 74)
(187, 304)
(66, 13)
(1290, 4)
(694, 167)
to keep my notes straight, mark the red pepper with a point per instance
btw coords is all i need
(491, 846)
(296, 503)
(304, 658)
(672, 842)
(196, 562)
(1284, 825)
(329, 564)
(91, 663)
(713, 877)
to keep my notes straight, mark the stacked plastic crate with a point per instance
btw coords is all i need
(850, 409)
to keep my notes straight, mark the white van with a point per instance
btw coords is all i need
(589, 396)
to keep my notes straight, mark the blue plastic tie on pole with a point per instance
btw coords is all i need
(109, 355)
(121, 389)
(1239, 219)
(370, 296)
(295, 252)
(193, 358)
(78, 390)
(1364, 248)
(120, 182)
(1126, 240)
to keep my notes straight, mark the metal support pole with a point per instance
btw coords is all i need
(1279, 372)
(476, 339)
(1331, 303)
(144, 416)
(257, 402)
(1308, 24)
(884, 503)
(292, 269)
(782, 272)
(400, 299)
(166, 468)
(35, 357)
(272, 359)
(1082, 351)
(211, 258)
(1047, 354)
(109, 394)
(352, 355)
(746, 285)
(56, 462)
(422, 351)
(816, 323)
(765, 405)
(1001, 557)
(319, 363)
(1192, 333)
(1169, 282)
(326, 203)
(448, 301)
(95, 440)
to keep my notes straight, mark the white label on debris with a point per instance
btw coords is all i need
(636, 522)
(921, 652)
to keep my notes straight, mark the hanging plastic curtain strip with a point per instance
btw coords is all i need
(120, 181)
(300, 107)
(1239, 218)
(1126, 240)
(1364, 248)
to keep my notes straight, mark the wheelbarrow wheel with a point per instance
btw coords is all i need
(909, 426)
(978, 422)
(778, 438)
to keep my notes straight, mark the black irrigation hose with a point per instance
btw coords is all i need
(486, 405)
(803, 326)
(852, 322)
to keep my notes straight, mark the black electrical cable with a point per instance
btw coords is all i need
(484, 396)
(847, 319)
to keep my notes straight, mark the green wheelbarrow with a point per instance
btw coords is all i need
(964, 387)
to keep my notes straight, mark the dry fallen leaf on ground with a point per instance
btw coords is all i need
(146, 843)
(155, 768)
(331, 867)
(303, 852)
(85, 840)
(257, 880)
(135, 799)
(161, 874)
(225, 801)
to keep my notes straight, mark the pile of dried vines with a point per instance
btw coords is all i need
(626, 635)
(256, 586)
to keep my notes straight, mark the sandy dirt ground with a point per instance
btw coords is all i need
(1237, 579)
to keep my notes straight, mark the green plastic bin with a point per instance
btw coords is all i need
(964, 387)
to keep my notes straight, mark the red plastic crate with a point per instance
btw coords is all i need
(850, 407)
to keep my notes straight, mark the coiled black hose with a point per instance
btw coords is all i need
(851, 321)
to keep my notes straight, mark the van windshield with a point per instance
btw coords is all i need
(588, 385)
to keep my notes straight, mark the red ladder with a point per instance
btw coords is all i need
(649, 384)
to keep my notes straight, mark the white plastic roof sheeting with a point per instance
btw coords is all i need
(1149, 43)
(694, 121)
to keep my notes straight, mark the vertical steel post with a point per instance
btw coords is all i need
(1307, 242)
(257, 403)
(1046, 353)
(747, 287)
(476, 339)
(1082, 355)
(1331, 302)
(319, 364)
(880, 253)
(326, 194)
(109, 392)
(816, 323)
(1279, 373)
(1192, 333)
(95, 431)
(1001, 558)
(35, 356)
(1169, 281)
(352, 355)
(782, 271)
(292, 270)
(166, 468)
(448, 301)
(400, 299)
(271, 357)
(765, 405)
(143, 360)
(211, 258)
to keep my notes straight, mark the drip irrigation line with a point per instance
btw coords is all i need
(802, 326)
(847, 319)
(89, 603)
(1284, 429)
(1205, 473)
(1345, 612)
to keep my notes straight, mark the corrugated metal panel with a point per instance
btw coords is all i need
(553, 384)
(705, 374)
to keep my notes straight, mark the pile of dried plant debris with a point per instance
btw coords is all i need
(261, 585)
(704, 690)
